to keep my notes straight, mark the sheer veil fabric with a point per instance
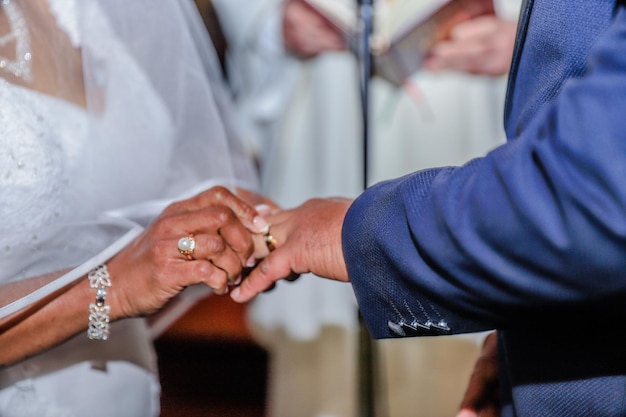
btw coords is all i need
(121, 115)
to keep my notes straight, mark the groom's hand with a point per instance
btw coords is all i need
(481, 397)
(307, 239)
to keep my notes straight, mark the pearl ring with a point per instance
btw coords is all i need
(186, 246)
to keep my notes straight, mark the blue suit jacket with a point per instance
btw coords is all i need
(529, 240)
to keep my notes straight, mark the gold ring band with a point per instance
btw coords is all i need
(270, 241)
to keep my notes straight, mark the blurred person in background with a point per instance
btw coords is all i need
(296, 91)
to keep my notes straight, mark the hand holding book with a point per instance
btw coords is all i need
(404, 30)
(306, 33)
(483, 45)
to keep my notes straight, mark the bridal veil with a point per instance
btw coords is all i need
(109, 110)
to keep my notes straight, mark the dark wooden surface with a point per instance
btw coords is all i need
(209, 364)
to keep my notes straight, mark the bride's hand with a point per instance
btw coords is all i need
(261, 203)
(152, 270)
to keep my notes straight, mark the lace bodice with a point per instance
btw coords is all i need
(61, 163)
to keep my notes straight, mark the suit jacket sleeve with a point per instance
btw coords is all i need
(533, 232)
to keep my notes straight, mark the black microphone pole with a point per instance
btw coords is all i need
(367, 352)
(364, 55)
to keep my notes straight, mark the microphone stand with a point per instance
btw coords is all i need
(367, 348)
(364, 55)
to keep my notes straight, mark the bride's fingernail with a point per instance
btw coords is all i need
(262, 208)
(251, 261)
(261, 224)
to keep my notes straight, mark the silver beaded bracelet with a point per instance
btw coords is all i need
(99, 279)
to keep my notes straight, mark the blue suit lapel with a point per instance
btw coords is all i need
(522, 26)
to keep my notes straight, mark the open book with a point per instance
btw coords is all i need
(404, 30)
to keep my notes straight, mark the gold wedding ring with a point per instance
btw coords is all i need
(270, 241)
(186, 246)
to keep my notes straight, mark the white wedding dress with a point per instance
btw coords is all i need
(77, 182)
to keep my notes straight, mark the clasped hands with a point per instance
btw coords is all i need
(308, 239)
(228, 235)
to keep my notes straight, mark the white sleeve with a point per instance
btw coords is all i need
(262, 74)
(508, 9)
